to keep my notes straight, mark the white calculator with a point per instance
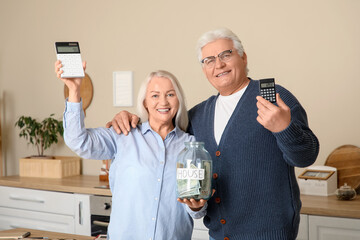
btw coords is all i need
(69, 55)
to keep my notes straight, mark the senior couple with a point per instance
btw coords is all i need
(254, 145)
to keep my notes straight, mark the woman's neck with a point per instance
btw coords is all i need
(161, 128)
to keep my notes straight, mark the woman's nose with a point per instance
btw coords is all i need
(163, 100)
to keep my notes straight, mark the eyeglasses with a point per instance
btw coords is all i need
(209, 62)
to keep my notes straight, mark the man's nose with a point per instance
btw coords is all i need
(219, 63)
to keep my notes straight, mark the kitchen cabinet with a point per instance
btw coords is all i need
(44, 210)
(303, 233)
(333, 228)
(320, 216)
(311, 228)
(314, 227)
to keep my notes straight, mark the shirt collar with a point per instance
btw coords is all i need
(145, 127)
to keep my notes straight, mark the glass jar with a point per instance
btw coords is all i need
(194, 171)
(345, 192)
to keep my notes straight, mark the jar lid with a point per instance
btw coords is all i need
(346, 187)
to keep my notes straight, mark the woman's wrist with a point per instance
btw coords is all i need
(74, 96)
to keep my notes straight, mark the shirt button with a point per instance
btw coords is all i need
(162, 162)
(153, 219)
(159, 179)
(217, 200)
(156, 199)
(222, 221)
(217, 153)
(215, 176)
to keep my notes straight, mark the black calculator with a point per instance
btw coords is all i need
(267, 89)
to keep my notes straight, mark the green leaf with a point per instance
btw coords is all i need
(44, 133)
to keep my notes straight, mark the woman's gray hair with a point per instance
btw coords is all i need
(181, 117)
(214, 35)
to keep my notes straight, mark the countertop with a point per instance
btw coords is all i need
(76, 184)
(330, 206)
(50, 235)
(312, 205)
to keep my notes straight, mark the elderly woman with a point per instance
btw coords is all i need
(142, 174)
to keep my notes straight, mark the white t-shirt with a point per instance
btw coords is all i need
(225, 106)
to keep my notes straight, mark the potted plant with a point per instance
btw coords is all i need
(43, 134)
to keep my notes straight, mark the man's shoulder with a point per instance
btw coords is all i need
(203, 105)
(287, 96)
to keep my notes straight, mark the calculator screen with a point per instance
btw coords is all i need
(267, 85)
(68, 49)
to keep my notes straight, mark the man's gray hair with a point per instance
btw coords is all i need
(181, 118)
(214, 35)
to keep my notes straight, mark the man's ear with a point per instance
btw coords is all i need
(244, 57)
(203, 69)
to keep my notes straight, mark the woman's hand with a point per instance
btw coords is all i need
(72, 83)
(193, 204)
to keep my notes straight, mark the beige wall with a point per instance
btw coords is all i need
(310, 47)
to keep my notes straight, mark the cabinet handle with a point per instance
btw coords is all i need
(17, 226)
(80, 213)
(27, 199)
(100, 223)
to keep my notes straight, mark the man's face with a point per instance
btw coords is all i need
(227, 76)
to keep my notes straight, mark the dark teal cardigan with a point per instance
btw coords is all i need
(257, 196)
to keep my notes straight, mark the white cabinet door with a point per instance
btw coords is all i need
(333, 228)
(82, 214)
(15, 218)
(303, 228)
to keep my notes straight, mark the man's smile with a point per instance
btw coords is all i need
(223, 73)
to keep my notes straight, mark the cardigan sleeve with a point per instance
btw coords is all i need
(298, 143)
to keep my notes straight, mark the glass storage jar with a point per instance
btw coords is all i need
(345, 192)
(194, 171)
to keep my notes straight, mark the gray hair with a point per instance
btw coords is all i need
(181, 117)
(214, 35)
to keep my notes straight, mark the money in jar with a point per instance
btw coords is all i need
(193, 172)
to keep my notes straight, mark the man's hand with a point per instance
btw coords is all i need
(272, 117)
(121, 122)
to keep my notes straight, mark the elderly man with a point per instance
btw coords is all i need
(254, 144)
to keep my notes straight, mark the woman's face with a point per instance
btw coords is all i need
(161, 101)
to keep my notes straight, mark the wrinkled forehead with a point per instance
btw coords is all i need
(215, 47)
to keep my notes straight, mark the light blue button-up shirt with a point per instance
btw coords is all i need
(142, 177)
